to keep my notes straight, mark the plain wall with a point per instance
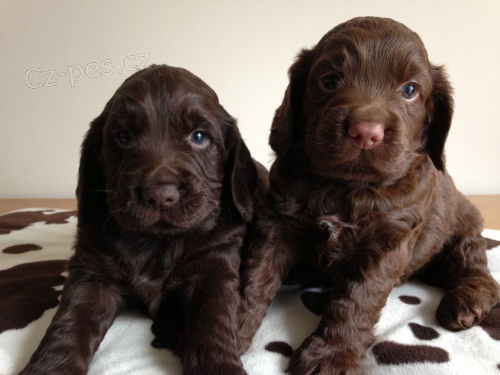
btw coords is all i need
(62, 60)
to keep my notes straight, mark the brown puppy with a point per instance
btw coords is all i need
(359, 194)
(166, 190)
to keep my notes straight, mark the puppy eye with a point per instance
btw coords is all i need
(329, 82)
(123, 136)
(409, 90)
(199, 138)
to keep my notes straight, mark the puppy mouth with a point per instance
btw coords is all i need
(180, 218)
(354, 165)
(358, 173)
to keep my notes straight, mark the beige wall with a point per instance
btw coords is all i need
(241, 48)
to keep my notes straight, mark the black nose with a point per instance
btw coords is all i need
(160, 197)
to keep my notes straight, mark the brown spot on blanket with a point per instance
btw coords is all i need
(26, 291)
(280, 347)
(20, 220)
(315, 301)
(423, 333)
(392, 353)
(20, 249)
(410, 300)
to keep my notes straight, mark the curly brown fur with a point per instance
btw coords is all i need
(359, 195)
(166, 191)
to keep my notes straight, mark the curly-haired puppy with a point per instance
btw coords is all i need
(359, 194)
(166, 190)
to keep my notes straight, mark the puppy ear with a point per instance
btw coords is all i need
(287, 127)
(439, 114)
(240, 181)
(90, 191)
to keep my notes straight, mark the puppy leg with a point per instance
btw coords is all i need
(86, 312)
(263, 272)
(211, 305)
(461, 268)
(472, 291)
(338, 345)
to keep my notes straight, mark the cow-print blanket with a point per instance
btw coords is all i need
(35, 245)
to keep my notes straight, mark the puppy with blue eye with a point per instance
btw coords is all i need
(360, 198)
(166, 191)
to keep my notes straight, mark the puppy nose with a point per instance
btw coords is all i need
(161, 196)
(366, 135)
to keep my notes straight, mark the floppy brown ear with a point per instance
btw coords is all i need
(287, 127)
(90, 191)
(240, 181)
(439, 113)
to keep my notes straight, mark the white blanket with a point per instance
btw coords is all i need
(34, 247)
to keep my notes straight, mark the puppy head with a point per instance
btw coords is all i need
(164, 156)
(364, 103)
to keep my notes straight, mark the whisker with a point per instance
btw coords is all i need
(111, 214)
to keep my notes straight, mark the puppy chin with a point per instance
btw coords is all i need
(382, 166)
(135, 217)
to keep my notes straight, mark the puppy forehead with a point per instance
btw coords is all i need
(368, 43)
(373, 28)
(173, 102)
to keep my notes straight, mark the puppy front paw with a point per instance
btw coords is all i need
(318, 357)
(461, 309)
